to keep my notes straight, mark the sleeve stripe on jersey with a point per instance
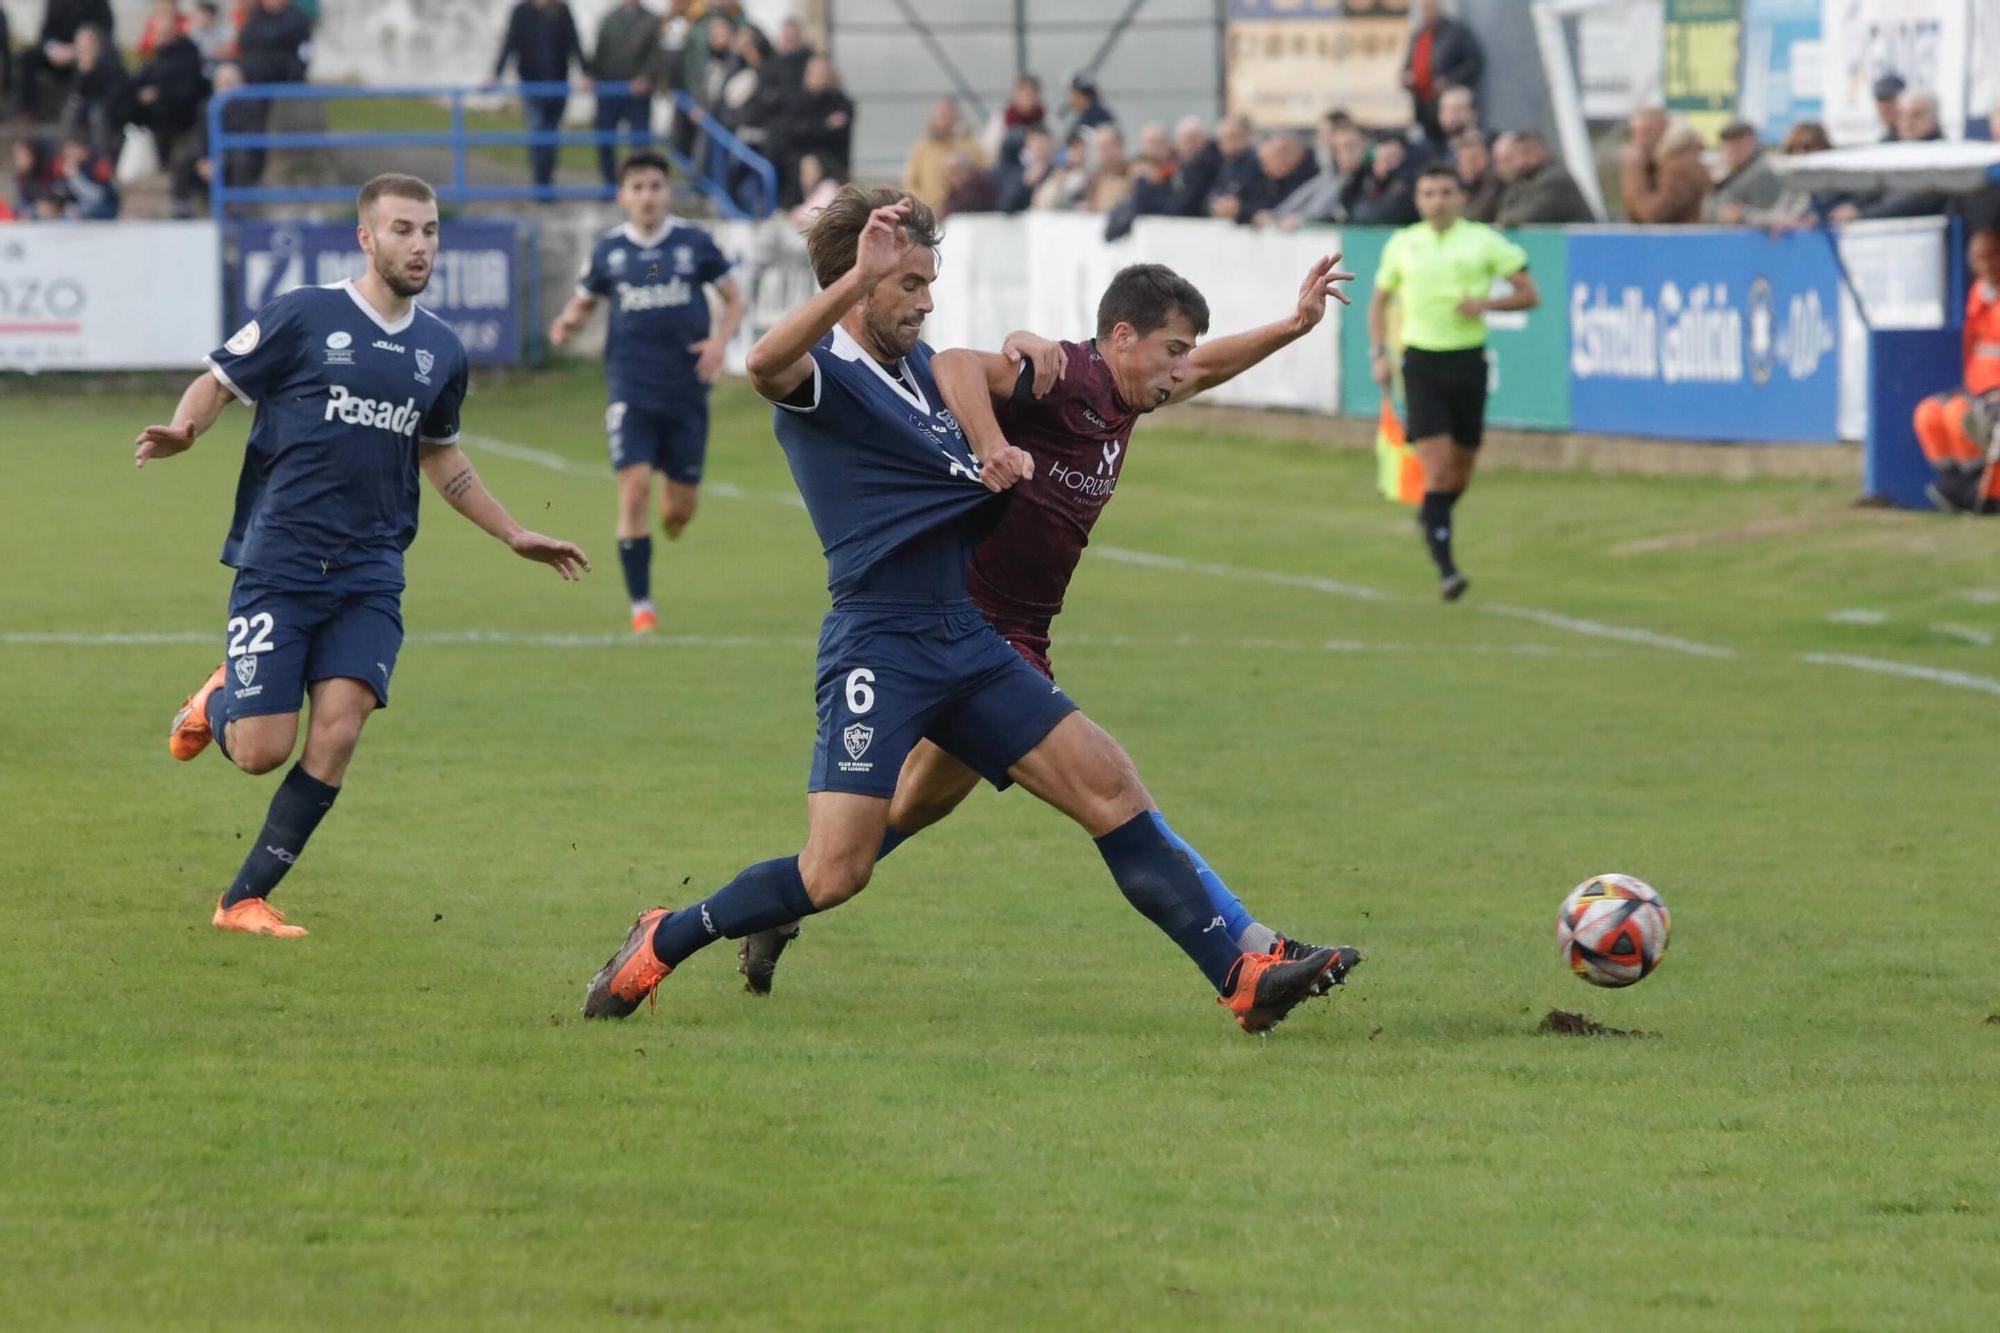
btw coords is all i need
(228, 383)
(440, 440)
(813, 406)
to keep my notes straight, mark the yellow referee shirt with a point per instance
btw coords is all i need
(1431, 271)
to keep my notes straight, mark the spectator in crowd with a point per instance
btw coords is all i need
(273, 43)
(164, 22)
(6, 63)
(818, 122)
(1956, 430)
(1197, 161)
(1065, 184)
(1916, 122)
(785, 71)
(1796, 208)
(1085, 109)
(1535, 191)
(1443, 54)
(240, 166)
(86, 181)
(1386, 195)
(35, 174)
(1032, 166)
(747, 107)
(1341, 154)
(1981, 208)
(628, 52)
(1888, 89)
(1024, 109)
(1283, 165)
(210, 35)
(1235, 167)
(170, 91)
(1748, 184)
(1151, 175)
(100, 96)
(1473, 161)
(943, 135)
(1663, 179)
(47, 67)
(969, 188)
(816, 188)
(1110, 170)
(1457, 116)
(542, 45)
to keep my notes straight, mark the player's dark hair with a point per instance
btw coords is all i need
(835, 235)
(1146, 296)
(1441, 170)
(644, 160)
(393, 183)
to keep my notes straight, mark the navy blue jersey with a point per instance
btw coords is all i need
(656, 287)
(328, 493)
(887, 475)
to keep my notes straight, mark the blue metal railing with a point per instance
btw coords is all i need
(741, 182)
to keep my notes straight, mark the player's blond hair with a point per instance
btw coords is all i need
(392, 183)
(835, 235)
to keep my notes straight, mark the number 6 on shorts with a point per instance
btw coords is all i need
(860, 694)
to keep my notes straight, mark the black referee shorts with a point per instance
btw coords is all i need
(1446, 394)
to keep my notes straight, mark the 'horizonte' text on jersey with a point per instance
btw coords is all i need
(328, 493)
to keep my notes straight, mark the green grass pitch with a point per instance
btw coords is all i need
(986, 1094)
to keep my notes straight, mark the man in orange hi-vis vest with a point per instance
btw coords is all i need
(1956, 428)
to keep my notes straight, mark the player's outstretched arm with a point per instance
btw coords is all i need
(782, 359)
(199, 407)
(450, 471)
(1213, 363)
(970, 382)
(570, 321)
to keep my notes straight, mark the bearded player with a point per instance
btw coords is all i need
(1072, 406)
(357, 390)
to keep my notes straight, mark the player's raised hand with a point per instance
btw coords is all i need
(1323, 279)
(1006, 466)
(707, 359)
(1047, 357)
(566, 558)
(883, 242)
(162, 442)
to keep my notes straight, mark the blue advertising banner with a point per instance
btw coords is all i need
(477, 287)
(1703, 334)
(1781, 65)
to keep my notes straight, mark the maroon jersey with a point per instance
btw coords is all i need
(1078, 434)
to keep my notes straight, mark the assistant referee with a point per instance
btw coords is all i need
(1442, 271)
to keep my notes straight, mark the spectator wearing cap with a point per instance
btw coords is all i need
(1748, 185)
(1086, 109)
(1887, 90)
(926, 172)
(1663, 180)
(1535, 191)
(1443, 54)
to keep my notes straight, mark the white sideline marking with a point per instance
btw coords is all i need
(1982, 596)
(1599, 630)
(555, 462)
(1335, 587)
(1909, 670)
(1857, 615)
(1979, 638)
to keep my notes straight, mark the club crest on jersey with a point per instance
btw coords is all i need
(615, 261)
(683, 259)
(424, 363)
(1109, 467)
(246, 668)
(856, 739)
(244, 340)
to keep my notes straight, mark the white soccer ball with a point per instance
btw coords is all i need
(1612, 930)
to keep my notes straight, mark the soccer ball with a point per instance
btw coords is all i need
(1612, 930)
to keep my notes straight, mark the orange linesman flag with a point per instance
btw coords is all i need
(1398, 470)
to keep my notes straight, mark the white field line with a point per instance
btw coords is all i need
(1908, 670)
(1598, 630)
(1127, 642)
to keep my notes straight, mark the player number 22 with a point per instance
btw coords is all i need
(260, 641)
(860, 698)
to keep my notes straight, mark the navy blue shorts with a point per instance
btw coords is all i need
(888, 679)
(282, 639)
(675, 443)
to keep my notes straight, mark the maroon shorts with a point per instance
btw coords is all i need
(1036, 657)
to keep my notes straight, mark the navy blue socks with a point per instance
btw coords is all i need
(300, 802)
(635, 557)
(217, 712)
(1161, 881)
(767, 894)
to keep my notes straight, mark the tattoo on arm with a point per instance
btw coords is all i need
(456, 488)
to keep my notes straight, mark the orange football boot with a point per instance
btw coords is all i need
(631, 974)
(254, 916)
(1267, 986)
(189, 735)
(645, 620)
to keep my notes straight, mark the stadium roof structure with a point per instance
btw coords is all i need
(1955, 167)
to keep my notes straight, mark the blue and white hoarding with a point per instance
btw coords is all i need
(1704, 334)
(476, 288)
